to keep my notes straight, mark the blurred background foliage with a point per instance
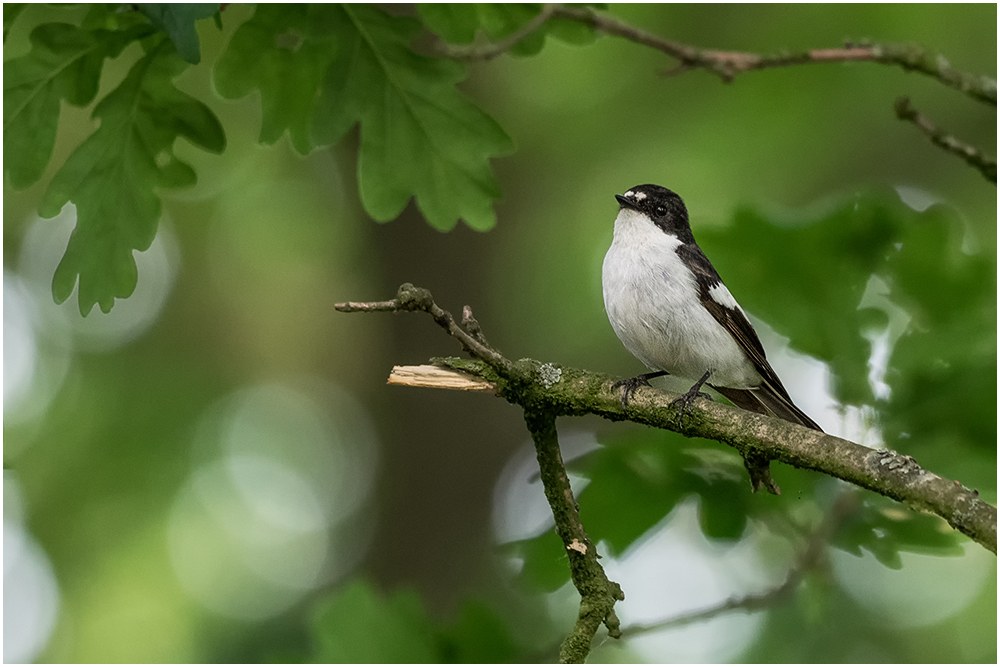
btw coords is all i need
(215, 470)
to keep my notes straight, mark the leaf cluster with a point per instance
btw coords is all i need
(873, 267)
(319, 71)
(360, 625)
(113, 176)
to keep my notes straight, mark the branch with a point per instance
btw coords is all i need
(546, 391)
(971, 154)
(810, 558)
(598, 594)
(573, 392)
(883, 471)
(727, 64)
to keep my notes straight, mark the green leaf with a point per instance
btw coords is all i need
(419, 135)
(357, 625)
(178, 21)
(11, 10)
(282, 52)
(500, 21)
(635, 481)
(459, 23)
(885, 529)
(546, 565)
(322, 69)
(477, 636)
(942, 371)
(721, 482)
(571, 32)
(807, 280)
(453, 22)
(112, 176)
(64, 63)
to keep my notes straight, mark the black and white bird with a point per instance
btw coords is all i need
(671, 310)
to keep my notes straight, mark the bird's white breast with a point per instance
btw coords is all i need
(652, 301)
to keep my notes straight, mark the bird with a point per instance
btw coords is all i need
(670, 309)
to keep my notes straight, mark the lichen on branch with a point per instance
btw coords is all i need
(546, 391)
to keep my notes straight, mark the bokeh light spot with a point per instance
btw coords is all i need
(278, 470)
(30, 591)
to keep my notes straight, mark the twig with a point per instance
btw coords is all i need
(490, 51)
(809, 559)
(419, 299)
(971, 154)
(727, 64)
(471, 325)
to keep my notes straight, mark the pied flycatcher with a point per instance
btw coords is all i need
(670, 309)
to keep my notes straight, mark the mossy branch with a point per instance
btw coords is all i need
(546, 391)
(883, 471)
(598, 594)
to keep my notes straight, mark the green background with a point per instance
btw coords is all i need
(216, 471)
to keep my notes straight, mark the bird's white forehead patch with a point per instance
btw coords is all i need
(638, 196)
(721, 296)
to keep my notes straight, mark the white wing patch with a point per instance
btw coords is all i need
(721, 296)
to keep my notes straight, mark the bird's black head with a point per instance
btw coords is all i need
(662, 206)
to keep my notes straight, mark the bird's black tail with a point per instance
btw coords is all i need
(766, 401)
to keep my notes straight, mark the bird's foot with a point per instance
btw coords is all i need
(686, 400)
(630, 385)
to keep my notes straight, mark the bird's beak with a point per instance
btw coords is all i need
(625, 201)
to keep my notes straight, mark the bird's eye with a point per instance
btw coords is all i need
(661, 210)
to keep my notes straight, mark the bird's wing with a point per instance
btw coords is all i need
(771, 397)
(729, 315)
(763, 400)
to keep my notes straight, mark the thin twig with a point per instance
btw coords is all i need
(809, 559)
(727, 64)
(971, 154)
(419, 299)
(490, 51)
(471, 325)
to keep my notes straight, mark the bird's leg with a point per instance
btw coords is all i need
(631, 384)
(685, 400)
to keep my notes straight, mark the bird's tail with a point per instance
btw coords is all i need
(766, 401)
